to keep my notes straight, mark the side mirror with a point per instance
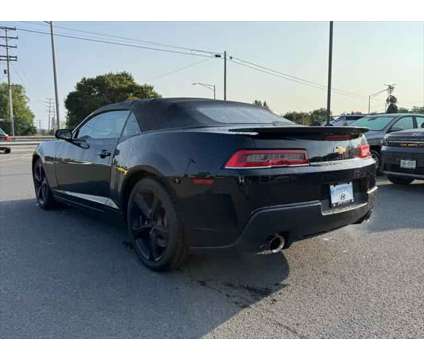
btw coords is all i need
(63, 134)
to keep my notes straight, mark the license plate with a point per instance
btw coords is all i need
(408, 164)
(341, 194)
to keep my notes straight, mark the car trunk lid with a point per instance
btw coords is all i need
(321, 143)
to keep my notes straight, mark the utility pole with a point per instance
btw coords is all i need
(54, 75)
(8, 58)
(330, 70)
(225, 71)
(225, 75)
(50, 124)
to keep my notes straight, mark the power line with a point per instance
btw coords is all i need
(178, 70)
(20, 77)
(272, 73)
(108, 42)
(289, 77)
(127, 38)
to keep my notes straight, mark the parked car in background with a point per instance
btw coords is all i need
(403, 156)
(381, 124)
(208, 175)
(4, 137)
(346, 120)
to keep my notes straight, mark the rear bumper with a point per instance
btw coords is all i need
(409, 175)
(299, 221)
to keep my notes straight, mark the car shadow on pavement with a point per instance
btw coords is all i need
(398, 207)
(68, 274)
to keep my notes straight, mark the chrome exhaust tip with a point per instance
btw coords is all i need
(277, 243)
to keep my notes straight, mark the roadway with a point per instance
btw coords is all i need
(69, 274)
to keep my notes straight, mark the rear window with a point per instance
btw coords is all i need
(163, 114)
(374, 122)
(226, 114)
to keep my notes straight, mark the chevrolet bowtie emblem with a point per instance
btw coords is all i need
(340, 150)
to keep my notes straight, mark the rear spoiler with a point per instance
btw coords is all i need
(304, 130)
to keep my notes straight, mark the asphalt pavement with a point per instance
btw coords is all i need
(69, 274)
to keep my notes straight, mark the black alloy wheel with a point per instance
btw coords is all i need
(43, 193)
(154, 228)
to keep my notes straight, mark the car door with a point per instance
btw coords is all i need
(83, 167)
(404, 123)
(420, 122)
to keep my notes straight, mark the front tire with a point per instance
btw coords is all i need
(154, 228)
(377, 158)
(398, 180)
(43, 193)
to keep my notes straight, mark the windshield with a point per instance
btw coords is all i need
(2, 132)
(236, 114)
(374, 122)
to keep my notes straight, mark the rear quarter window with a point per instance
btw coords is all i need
(240, 114)
(132, 128)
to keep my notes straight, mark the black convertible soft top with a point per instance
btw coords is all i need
(171, 113)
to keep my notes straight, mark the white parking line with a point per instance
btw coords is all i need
(14, 158)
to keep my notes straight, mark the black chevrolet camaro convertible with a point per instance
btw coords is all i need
(195, 174)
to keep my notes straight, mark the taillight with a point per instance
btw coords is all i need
(364, 151)
(267, 159)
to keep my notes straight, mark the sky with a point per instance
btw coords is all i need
(367, 55)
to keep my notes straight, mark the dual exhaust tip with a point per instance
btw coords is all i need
(276, 244)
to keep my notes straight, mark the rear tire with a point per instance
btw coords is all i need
(43, 193)
(398, 180)
(154, 227)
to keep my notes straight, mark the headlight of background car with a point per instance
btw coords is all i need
(385, 142)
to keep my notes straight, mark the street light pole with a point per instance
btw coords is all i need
(371, 96)
(54, 76)
(207, 86)
(330, 69)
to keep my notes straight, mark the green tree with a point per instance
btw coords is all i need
(418, 109)
(314, 117)
(92, 93)
(319, 116)
(22, 114)
(302, 118)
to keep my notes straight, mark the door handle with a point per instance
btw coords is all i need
(104, 153)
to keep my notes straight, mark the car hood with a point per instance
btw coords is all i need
(412, 134)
